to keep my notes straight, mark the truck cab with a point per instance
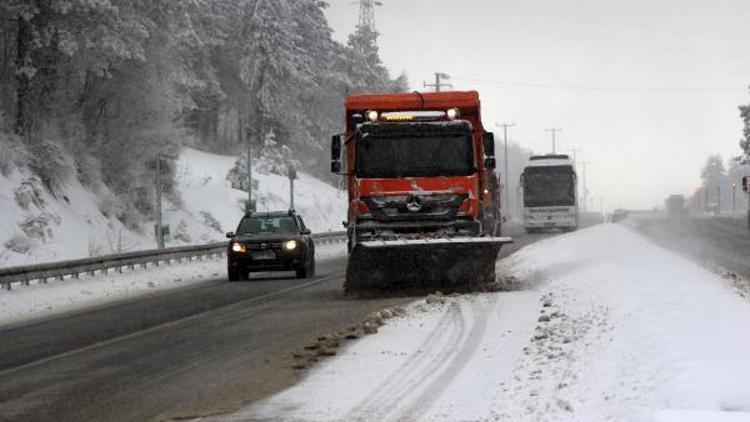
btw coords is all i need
(419, 170)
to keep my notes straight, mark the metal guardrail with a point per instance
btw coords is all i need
(74, 268)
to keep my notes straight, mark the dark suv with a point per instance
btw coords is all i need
(274, 241)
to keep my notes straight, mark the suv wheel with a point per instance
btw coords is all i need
(233, 274)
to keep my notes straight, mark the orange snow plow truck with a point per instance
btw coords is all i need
(424, 200)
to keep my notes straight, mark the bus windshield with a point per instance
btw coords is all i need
(549, 186)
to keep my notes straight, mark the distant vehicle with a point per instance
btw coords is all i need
(550, 194)
(424, 202)
(674, 205)
(274, 241)
(619, 215)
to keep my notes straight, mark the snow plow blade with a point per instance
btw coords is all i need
(422, 265)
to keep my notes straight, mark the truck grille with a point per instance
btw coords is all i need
(414, 207)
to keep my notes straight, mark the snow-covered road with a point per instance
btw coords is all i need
(604, 326)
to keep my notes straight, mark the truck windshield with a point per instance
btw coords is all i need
(273, 224)
(549, 186)
(414, 155)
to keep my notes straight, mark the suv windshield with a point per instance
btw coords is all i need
(549, 186)
(414, 154)
(272, 224)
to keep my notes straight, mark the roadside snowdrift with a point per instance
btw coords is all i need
(72, 225)
(606, 326)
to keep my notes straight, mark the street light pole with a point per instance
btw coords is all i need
(159, 228)
(249, 207)
(292, 173)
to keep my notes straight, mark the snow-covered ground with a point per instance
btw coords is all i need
(40, 300)
(604, 326)
(72, 225)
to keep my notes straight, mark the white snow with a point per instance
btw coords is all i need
(605, 326)
(202, 180)
(84, 231)
(37, 300)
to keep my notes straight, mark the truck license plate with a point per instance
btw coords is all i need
(264, 255)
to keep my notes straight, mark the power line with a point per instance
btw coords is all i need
(603, 88)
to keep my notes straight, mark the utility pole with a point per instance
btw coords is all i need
(734, 197)
(585, 189)
(554, 131)
(506, 188)
(438, 82)
(159, 228)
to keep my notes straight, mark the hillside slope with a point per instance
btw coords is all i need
(36, 226)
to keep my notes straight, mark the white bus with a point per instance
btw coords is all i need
(550, 194)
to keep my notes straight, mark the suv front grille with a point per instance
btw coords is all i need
(260, 246)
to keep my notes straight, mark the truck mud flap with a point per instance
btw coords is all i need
(422, 266)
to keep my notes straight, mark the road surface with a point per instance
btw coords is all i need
(203, 349)
(711, 240)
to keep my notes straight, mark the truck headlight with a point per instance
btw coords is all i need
(290, 245)
(238, 247)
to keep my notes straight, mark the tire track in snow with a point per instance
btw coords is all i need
(428, 372)
(410, 374)
(468, 348)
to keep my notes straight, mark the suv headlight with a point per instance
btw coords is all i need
(290, 245)
(238, 247)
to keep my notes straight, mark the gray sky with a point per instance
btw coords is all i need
(647, 88)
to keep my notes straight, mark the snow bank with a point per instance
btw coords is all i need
(607, 326)
(648, 329)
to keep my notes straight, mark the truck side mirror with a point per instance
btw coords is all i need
(490, 163)
(336, 154)
(489, 144)
(230, 235)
